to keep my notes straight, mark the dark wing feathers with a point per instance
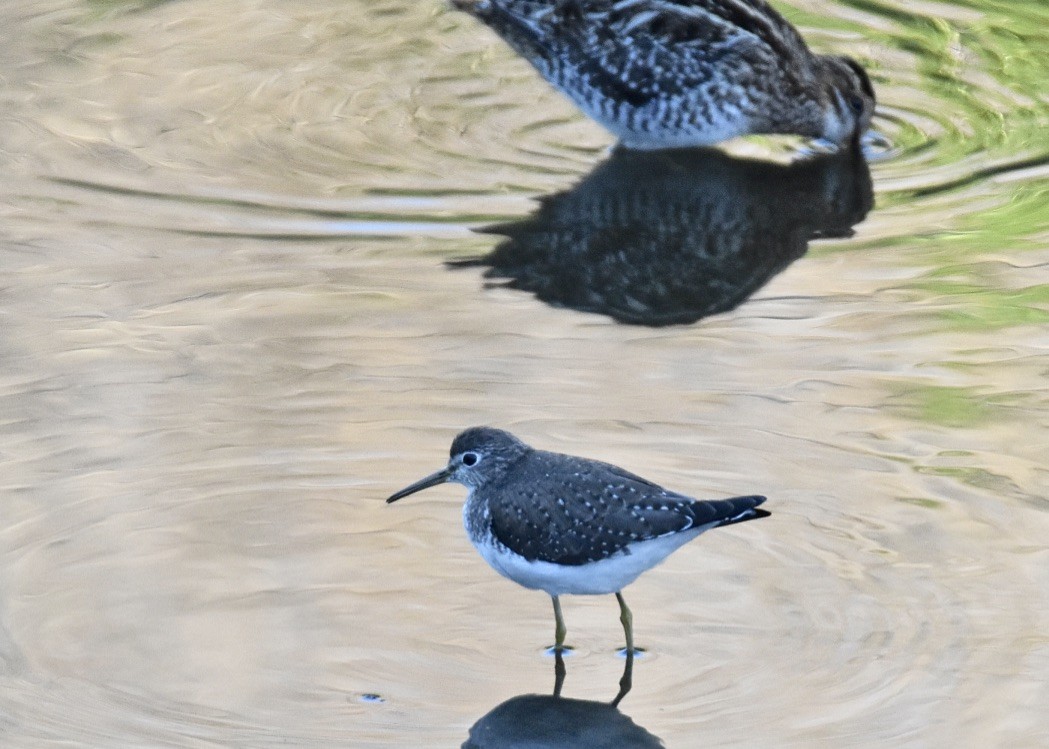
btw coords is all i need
(573, 511)
(616, 46)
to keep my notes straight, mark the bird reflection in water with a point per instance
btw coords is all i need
(554, 722)
(669, 237)
(626, 681)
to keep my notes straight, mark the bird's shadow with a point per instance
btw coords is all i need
(552, 721)
(669, 237)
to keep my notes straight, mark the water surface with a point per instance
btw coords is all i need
(243, 300)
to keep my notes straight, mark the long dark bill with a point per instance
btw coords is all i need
(432, 480)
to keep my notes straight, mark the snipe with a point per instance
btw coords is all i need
(681, 73)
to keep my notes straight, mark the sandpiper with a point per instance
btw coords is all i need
(683, 73)
(568, 525)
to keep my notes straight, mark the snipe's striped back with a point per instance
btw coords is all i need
(676, 73)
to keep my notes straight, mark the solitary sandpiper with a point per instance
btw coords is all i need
(681, 73)
(570, 525)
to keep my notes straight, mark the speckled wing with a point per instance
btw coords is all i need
(636, 51)
(571, 511)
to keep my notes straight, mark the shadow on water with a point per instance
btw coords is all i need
(669, 237)
(539, 721)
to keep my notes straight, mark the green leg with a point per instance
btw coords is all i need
(627, 680)
(559, 626)
(628, 623)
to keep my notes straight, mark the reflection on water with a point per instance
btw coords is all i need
(669, 237)
(545, 722)
(626, 681)
(539, 721)
(226, 327)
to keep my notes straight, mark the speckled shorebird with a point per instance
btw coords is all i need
(682, 73)
(570, 525)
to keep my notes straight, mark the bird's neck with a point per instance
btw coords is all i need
(476, 516)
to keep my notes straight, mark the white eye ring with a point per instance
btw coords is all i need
(471, 459)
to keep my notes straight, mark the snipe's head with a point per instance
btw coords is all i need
(478, 455)
(849, 102)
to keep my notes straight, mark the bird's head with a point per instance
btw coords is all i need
(477, 456)
(849, 101)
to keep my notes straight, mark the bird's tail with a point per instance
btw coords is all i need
(740, 509)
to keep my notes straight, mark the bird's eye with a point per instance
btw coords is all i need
(856, 103)
(470, 459)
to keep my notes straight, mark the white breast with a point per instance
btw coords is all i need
(595, 578)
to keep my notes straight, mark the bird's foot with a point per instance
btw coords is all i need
(559, 649)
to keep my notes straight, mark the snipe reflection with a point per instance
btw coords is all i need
(669, 237)
(551, 721)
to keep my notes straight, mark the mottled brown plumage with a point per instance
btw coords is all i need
(672, 73)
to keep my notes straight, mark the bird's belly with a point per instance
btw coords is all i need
(648, 133)
(670, 122)
(594, 578)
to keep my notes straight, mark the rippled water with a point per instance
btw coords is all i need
(242, 300)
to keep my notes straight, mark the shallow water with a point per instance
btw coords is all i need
(243, 301)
